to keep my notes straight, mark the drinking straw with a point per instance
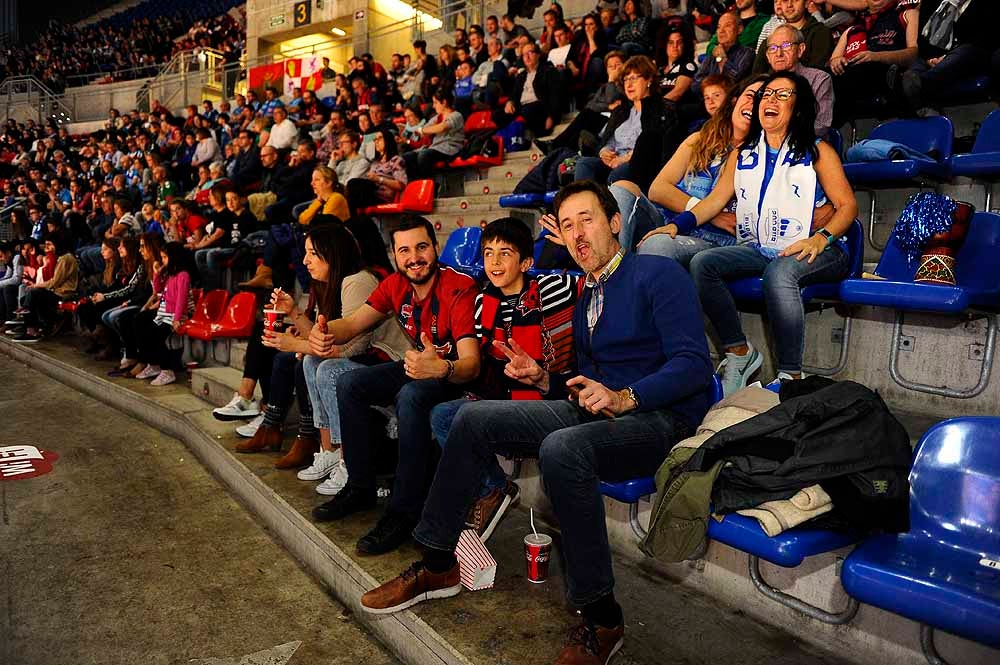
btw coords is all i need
(531, 516)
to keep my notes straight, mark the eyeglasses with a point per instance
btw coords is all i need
(784, 47)
(783, 94)
(633, 78)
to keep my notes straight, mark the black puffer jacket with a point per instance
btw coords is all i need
(661, 136)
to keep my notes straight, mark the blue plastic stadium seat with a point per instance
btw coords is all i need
(787, 549)
(836, 141)
(931, 136)
(550, 197)
(751, 289)
(937, 573)
(984, 160)
(978, 280)
(462, 253)
(521, 200)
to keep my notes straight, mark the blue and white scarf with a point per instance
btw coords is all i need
(773, 216)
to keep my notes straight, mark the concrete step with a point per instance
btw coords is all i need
(216, 385)
(237, 354)
(493, 187)
(531, 155)
(462, 203)
(514, 171)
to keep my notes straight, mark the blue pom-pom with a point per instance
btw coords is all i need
(926, 214)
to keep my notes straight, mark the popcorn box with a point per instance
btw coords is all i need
(477, 566)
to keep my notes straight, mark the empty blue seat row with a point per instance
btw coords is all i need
(945, 571)
(531, 200)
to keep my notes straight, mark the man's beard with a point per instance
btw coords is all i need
(433, 265)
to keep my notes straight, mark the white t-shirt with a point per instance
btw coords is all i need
(283, 135)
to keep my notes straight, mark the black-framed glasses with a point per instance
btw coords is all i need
(783, 94)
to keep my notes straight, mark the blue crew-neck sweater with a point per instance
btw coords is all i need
(650, 336)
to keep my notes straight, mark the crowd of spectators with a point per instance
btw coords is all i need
(68, 55)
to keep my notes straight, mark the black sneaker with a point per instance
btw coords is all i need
(391, 531)
(350, 500)
(26, 338)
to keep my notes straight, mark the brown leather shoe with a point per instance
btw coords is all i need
(267, 438)
(300, 454)
(590, 644)
(260, 280)
(485, 513)
(415, 584)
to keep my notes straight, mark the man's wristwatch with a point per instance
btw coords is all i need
(629, 394)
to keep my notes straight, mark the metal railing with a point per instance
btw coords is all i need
(28, 90)
(203, 68)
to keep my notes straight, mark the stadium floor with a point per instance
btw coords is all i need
(240, 591)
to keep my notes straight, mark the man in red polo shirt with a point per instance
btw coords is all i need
(435, 307)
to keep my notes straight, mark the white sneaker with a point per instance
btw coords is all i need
(737, 370)
(237, 409)
(149, 372)
(336, 482)
(323, 463)
(249, 429)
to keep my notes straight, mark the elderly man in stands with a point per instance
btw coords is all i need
(818, 38)
(283, 132)
(753, 23)
(644, 371)
(491, 78)
(729, 57)
(537, 94)
(785, 47)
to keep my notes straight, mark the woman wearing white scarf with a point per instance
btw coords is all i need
(780, 175)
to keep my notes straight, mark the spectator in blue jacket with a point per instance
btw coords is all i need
(638, 328)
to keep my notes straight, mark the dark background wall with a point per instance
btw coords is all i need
(32, 15)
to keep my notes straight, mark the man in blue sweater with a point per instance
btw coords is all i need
(643, 359)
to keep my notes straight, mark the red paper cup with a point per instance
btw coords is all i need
(274, 320)
(537, 551)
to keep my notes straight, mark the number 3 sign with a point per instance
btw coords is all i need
(303, 13)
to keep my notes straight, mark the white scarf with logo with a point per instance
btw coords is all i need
(780, 215)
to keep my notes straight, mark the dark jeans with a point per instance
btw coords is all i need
(420, 163)
(585, 120)
(42, 306)
(385, 385)
(575, 451)
(592, 168)
(923, 84)
(8, 301)
(128, 325)
(152, 340)
(858, 87)
(259, 365)
(90, 313)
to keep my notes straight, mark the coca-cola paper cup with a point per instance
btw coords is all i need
(274, 320)
(537, 551)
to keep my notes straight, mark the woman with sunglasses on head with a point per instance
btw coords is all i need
(781, 173)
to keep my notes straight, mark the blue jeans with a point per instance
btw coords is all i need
(639, 216)
(783, 279)
(575, 451)
(208, 262)
(385, 385)
(681, 249)
(321, 381)
(90, 260)
(112, 319)
(442, 417)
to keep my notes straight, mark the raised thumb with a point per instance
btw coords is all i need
(321, 322)
(426, 341)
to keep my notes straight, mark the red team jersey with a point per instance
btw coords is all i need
(446, 314)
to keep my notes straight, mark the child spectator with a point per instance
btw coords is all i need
(176, 304)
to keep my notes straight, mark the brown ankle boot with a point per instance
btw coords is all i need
(300, 454)
(260, 280)
(266, 438)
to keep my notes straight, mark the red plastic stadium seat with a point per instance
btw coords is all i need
(207, 310)
(239, 317)
(417, 197)
(480, 121)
